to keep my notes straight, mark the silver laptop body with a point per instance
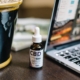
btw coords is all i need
(63, 43)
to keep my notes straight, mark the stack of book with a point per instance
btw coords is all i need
(25, 29)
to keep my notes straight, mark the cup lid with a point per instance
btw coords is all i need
(11, 4)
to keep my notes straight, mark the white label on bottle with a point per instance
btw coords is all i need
(36, 58)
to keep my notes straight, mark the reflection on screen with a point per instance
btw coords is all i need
(63, 29)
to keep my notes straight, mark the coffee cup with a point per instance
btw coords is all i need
(8, 18)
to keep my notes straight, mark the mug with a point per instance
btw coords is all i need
(8, 18)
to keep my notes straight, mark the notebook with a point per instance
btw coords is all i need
(63, 43)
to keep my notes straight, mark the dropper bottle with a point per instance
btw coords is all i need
(36, 50)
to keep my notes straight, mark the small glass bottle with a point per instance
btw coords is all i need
(36, 50)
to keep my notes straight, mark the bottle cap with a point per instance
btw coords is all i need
(37, 38)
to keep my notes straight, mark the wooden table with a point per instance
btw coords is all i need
(19, 69)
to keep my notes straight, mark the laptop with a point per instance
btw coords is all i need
(63, 43)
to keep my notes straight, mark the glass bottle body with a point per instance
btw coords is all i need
(36, 55)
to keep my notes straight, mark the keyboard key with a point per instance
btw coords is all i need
(78, 52)
(68, 57)
(72, 50)
(62, 55)
(66, 52)
(59, 53)
(79, 57)
(76, 48)
(74, 59)
(78, 63)
(74, 54)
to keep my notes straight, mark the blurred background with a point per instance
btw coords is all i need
(36, 8)
(32, 13)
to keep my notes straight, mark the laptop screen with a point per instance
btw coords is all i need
(65, 25)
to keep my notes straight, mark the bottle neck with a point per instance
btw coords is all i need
(37, 42)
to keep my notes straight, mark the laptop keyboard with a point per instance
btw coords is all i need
(73, 55)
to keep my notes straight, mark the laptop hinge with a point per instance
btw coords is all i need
(66, 45)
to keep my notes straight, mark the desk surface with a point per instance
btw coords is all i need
(19, 69)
